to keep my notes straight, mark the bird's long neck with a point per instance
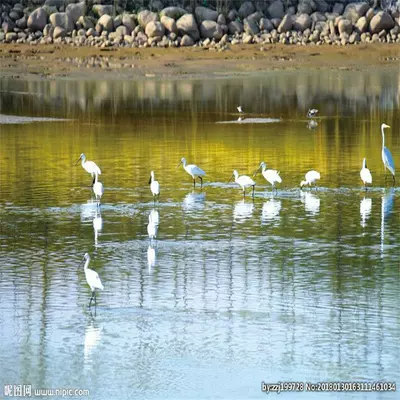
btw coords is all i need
(83, 160)
(86, 264)
(383, 137)
(364, 163)
(96, 177)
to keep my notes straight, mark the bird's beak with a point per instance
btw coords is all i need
(255, 173)
(79, 159)
(230, 178)
(179, 164)
(150, 180)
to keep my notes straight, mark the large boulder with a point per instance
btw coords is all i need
(205, 14)
(8, 26)
(362, 25)
(381, 21)
(169, 24)
(187, 26)
(85, 23)
(22, 22)
(256, 16)
(246, 9)
(338, 8)
(266, 24)
(286, 24)
(76, 11)
(128, 21)
(305, 7)
(155, 29)
(354, 11)
(235, 27)
(276, 9)
(317, 16)
(250, 27)
(345, 26)
(173, 12)
(100, 10)
(106, 23)
(146, 16)
(63, 20)
(187, 40)
(322, 6)
(211, 30)
(37, 20)
(59, 32)
(301, 22)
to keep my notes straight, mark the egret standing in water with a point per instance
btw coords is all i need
(154, 186)
(311, 177)
(243, 181)
(387, 155)
(270, 175)
(98, 189)
(193, 170)
(311, 113)
(89, 166)
(365, 174)
(92, 278)
(239, 108)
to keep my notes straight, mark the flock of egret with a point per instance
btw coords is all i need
(270, 175)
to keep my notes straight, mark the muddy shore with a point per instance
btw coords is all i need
(65, 62)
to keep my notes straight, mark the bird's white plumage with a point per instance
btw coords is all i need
(365, 173)
(270, 175)
(92, 277)
(151, 256)
(239, 108)
(155, 216)
(312, 112)
(89, 166)
(152, 228)
(98, 188)
(386, 154)
(154, 185)
(192, 169)
(243, 181)
(311, 177)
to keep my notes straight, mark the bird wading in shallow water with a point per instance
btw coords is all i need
(270, 175)
(243, 181)
(365, 174)
(387, 155)
(239, 108)
(311, 177)
(92, 278)
(89, 166)
(311, 113)
(193, 170)
(154, 186)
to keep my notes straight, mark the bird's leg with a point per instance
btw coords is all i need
(94, 179)
(194, 182)
(201, 180)
(394, 180)
(90, 302)
(95, 298)
(253, 191)
(244, 192)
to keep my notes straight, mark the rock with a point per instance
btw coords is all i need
(155, 29)
(169, 24)
(370, 14)
(91, 32)
(247, 39)
(322, 6)
(106, 23)
(85, 22)
(235, 27)
(275, 22)
(128, 22)
(187, 26)
(317, 16)
(354, 38)
(232, 15)
(146, 16)
(8, 26)
(10, 36)
(208, 29)
(338, 8)
(157, 5)
(37, 20)
(122, 30)
(117, 21)
(305, 7)
(62, 20)
(173, 12)
(22, 23)
(59, 32)
(187, 40)
(362, 25)
(302, 22)
(221, 19)
(345, 26)
(354, 11)
(331, 16)
(100, 10)
(250, 27)
(286, 24)
(266, 25)
(141, 38)
(382, 20)
(76, 11)
(48, 30)
(205, 14)
(14, 15)
(256, 17)
(246, 9)
(276, 9)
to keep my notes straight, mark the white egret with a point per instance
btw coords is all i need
(270, 175)
(311, 177)
(89, 166)
(387, 155)
(154, 186)
(365, 174)
(239, 108)
(152, 228)
(98, 188)
(92, 278)
(193, 170)
(243, 181)
(311, 113)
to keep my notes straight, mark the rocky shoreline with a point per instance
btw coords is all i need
(312, 22)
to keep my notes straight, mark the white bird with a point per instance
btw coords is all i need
(193, 170)
(239, 108)
(152, 228)
(311, 177)
(92, 278)
(311, 113)
(154, 186)
(365, 174)
(243, 181)
(270, 175)
(98, 188)
(89, 166)
(387, 155)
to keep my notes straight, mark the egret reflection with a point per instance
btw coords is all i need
(386, 212)
(243, 210)
(312, 124)
(271, 210)
(365, 210)
(97, 226)
(311, 202)
(194, 200)
(151, 256)
(92, 339)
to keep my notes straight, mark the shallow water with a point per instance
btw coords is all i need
(291, 286)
